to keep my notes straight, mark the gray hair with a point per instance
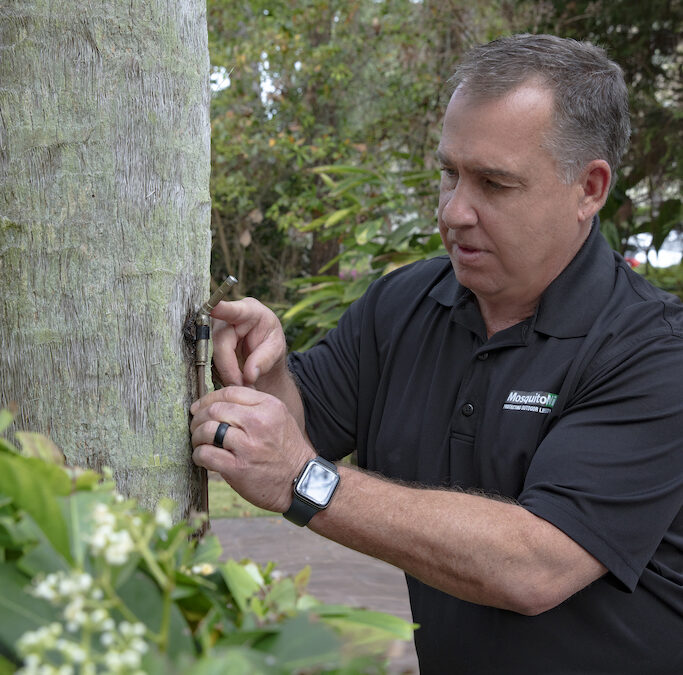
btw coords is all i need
(591, 119)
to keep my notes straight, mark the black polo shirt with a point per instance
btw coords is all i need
(576, 412)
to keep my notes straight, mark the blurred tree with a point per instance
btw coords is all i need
(313, 83)
(645, 39)
(104, 231)
(328, 130)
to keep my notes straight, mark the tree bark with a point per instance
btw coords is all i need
(105, 230)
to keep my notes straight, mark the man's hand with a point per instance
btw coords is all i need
(248, 342)
(263, 449)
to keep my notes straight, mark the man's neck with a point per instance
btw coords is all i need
(500, 316)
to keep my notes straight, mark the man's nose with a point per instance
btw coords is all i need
(458, 207)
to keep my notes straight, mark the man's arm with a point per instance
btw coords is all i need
(478, 549)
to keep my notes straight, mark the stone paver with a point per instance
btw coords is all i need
(338, 574)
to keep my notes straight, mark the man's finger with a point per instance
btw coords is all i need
(262, 359)
(231, 394)
(205, 434)
(224, 346)
(235, 312)
(214, 459)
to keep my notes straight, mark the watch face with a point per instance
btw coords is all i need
(317, 484)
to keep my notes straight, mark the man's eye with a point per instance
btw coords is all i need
(451, 173)
(493, 185)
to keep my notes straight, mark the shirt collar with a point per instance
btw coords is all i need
(570, 304)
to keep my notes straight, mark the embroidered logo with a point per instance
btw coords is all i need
(530, 401)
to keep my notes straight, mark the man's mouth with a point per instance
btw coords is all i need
(466, 254)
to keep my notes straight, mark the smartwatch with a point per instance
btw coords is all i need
(313, 490)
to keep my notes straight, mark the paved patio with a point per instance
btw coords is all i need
(338, 574)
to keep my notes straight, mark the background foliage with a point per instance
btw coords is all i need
(324, 174)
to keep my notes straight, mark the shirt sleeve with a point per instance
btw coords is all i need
(328, 379)
(610, 472)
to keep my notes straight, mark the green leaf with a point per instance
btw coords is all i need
(6, 446)
(33, 485)
(386, 626)
(77, 511)
(208, 550)
(302, 643)
(363, 233)
(311, 299)
(242, 581)
(234, 661)
(282, 596)
(339, 215)
(6, 667)
(342, 169)
(667, 218)
(16, 535)
(85, 479)
(6, 418)
(39, 446)
(19, 611)
(144, 598)
(40, 556)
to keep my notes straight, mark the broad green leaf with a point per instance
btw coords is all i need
(84, 479)
(282, 596)
(40, 556)
(6, 446)
(208, 550)
(363, 233)
(339, 215)
(327, 180)
(6, 418)
(385, 626)
(6, 667)
(666, 220)
(15, 535)
(302, 579)
(329, 219)
(302, 643)
(296, 283)
(234, 661)
(144, 598)
(34, 485)
(241, 582)
(19, 611)
(311, 300)
(39, 446)
(342, 169)
(77, 511)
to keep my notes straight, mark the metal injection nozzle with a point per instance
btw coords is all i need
(218, 295)
(202, 322)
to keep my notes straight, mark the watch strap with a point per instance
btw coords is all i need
(300, 512)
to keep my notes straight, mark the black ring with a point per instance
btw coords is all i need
(220, 434)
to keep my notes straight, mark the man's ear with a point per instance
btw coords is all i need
(595, 181)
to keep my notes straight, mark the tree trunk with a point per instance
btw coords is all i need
(105, 230)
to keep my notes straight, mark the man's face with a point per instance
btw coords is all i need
(508, 223)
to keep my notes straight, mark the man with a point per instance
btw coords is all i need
(528, 409)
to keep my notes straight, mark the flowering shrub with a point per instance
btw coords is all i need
(93, 584)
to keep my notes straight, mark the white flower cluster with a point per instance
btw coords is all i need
(163, 517)
(115, 545)
(92, 643)
(76, 592)
(204, 569)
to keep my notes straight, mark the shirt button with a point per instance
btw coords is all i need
(467, 409)
(483, 356)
